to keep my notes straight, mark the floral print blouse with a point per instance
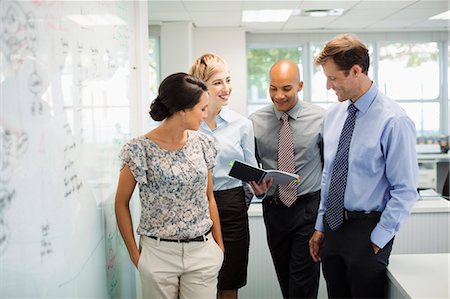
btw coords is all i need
(172, 185)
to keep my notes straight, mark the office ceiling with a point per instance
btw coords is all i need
(361, 15)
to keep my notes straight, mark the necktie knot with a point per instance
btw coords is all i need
(285, 117)
(352, 110)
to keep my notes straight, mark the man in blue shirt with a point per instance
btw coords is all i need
(376, 174)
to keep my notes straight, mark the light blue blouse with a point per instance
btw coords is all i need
(234, 140)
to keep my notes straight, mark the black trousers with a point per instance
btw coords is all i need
(288, 233)
(350, 267)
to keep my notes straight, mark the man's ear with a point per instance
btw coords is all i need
(356, 70)
(300, 86)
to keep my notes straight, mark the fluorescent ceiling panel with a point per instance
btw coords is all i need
(442, 16)
(266, 15)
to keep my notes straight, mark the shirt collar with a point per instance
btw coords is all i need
(364, 102)
(293, 113)
(224, 115)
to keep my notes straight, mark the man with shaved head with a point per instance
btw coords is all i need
(288, 137)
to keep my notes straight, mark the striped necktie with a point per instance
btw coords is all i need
(334, 214)
(286, 161)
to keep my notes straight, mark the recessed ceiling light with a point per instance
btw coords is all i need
(442, 16)
(319, 12)
(266, 15)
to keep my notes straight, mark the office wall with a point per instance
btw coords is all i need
(176, 47)
(181, 44)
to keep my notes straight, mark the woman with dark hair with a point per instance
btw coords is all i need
(180, 248)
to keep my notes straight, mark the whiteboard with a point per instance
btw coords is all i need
(65, 94)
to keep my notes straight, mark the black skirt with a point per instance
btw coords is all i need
(236, 237)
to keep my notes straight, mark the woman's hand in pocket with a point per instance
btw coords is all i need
(222, 247)
(135, 258)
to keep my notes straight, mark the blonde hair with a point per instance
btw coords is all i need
(207, 65)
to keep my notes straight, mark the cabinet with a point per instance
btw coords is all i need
(431, 215)
(427, 175)
(433, 170)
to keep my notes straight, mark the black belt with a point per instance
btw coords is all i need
(276, 200)
(196, 239)
(361, 215)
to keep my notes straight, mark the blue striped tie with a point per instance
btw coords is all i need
(334, 214)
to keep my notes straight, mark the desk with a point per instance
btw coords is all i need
(429, 205)
(434, 157)
(425, 231)
(419, 276)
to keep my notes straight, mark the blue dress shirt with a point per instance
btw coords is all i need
(383, 169)
(235, 141)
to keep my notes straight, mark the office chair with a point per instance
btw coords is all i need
(445, 188)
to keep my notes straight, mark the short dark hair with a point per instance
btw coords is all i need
(346, 50)
(176, 92)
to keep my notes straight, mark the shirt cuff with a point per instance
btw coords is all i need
(319, 223)
(248, 187)
(380, 236)
(261, 196)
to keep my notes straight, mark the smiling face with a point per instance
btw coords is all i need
(219, 87)
(344, 83)
(284, 85)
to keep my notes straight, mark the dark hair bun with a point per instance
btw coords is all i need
(176, 92)
(158, 111)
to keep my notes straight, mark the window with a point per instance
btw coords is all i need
(320, 95)
(409, 74)
(409, 70)
(448, 73)
(413, 73)
(153, 54)
(153, 70)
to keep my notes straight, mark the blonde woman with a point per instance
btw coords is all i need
(233, 135)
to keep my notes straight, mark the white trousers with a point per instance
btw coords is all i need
(171, 270)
